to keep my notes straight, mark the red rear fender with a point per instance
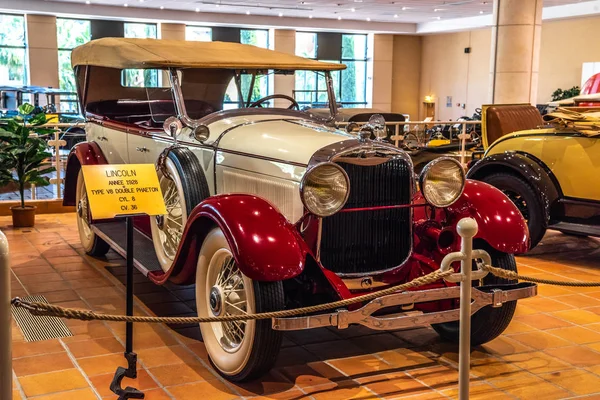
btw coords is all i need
(85, 153)
(265, 245)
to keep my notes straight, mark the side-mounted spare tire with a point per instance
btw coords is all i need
(183, 186)
(489, 322)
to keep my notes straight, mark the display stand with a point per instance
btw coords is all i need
(124, 191)
(131, 357)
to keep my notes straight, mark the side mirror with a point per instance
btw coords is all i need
(173, 127)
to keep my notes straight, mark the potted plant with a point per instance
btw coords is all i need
(22, 153)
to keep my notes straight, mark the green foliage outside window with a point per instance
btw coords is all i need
(12, 50)
(70, 34)
(140, 77)
(349, 85)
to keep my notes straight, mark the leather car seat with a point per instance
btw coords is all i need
(500, 120)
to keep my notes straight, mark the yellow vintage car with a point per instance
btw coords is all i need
(548, 167)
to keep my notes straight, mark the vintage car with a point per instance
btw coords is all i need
(548, 171)
(270, 209)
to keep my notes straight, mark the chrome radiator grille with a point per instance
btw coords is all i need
(362, 242)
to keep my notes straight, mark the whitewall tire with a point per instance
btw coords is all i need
(92, 244)
(239, 350)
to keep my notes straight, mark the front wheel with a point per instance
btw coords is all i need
(489, 322)
(527, 201)
(243, 350)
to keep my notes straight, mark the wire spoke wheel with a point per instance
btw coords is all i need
(239, 350)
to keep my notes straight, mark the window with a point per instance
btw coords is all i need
(141, 77)
(70, 34)
(13, 62)
(198, 33)
(349, 85)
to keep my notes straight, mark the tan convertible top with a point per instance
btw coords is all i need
(124, 53)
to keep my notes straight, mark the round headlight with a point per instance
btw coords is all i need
(325, 189)
(442, 181)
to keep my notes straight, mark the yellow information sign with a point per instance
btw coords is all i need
(123, 189)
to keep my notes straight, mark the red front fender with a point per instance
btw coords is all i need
(500, 223)
(84, 153)
(265, 245)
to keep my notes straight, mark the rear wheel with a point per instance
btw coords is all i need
(527, 201)
(92, 243)
(489, 322)
(241, 350)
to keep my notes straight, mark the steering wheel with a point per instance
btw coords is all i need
(294, 105)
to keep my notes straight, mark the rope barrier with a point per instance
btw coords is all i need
(37, 308)
(502, 273)
(44, 309)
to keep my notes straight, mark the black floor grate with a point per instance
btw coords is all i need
(36, 328)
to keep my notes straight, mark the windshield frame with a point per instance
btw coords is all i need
(183, 116)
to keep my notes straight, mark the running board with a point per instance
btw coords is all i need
(482, 296)
(115, 234)
(581, 229)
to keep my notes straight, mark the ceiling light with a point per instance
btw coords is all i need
(438, 9)
(248, 12)
(438, 18)
(339, 18)
(353, 9)
(481, 12)
(197, 10)
(281, 14)
(368, 19)
(405, 8)
(395, 15)
(141, 1)
(125, 5)
(310, 16)
(217, 5)
(162, 7)
(87, 2)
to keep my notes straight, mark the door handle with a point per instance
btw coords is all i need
(142, 149)
(103, 138)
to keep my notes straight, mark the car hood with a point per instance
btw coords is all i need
(287, 139)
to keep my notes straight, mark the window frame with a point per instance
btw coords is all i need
(25, 80)
(342, 60)
(69, 99)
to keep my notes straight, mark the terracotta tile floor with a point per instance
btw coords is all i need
(550, 351)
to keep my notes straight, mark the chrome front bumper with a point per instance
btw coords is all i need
(482, 296)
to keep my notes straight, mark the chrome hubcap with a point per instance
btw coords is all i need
(216, 300)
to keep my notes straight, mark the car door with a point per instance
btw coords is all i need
(111, 139)
(140, 147)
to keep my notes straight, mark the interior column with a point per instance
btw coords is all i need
(42, 51)
(284, 41)
(515, 53)
(383, 55)
(172, 31)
